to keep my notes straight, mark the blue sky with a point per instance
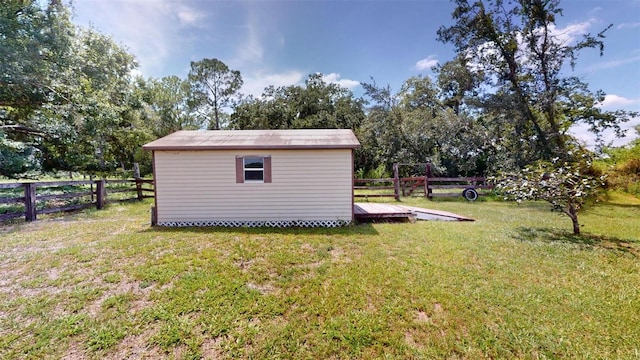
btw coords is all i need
(281, 42)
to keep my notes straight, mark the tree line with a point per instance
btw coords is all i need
(69, 100)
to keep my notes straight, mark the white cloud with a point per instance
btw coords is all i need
(486, 54)
(582, 133)
(571, 32)
(427, 63)
(595, 10)
(628, 25)
(614, 63)
(189, 16)
(255, 84)
(251, 50)
(334, 78)
(615, 101)
(146, 28)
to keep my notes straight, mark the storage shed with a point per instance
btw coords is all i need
(254, 178)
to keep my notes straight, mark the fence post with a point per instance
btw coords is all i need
(101, 193)
(396, 182)
(139, 188)
(91, 179)
(30, 201)
(427, 175)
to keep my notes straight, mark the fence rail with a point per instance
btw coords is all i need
(61, 196)
(429, 186)
(366, 188)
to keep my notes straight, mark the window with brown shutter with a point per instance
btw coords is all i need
(253, 169)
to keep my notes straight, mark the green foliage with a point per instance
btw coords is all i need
(623, 167)
(457, 83)
(317, 105)
(67, 101)
(567, 187)
(17, 159)
(527, 99)
(168, 105)
(35, 42)
(414, 126)
(380, 172)
(35, 38)
(213, 87)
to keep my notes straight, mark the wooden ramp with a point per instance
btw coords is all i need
(429, 214)
(373, 211)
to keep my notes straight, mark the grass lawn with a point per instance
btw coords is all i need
(513, 284)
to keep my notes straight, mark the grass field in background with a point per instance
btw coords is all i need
(513, 284)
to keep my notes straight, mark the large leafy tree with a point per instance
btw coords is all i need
(66, 99)
(414, 125)
(99, 110)
(524, 60)
(317, 105)
(214, 87)
(458, 85)
(35, 43)
(168, 105)
(34, 47)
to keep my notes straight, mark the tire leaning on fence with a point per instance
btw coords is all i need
(470, 194)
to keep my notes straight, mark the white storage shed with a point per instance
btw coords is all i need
(254, 178)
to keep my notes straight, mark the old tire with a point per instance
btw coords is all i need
(470, 194)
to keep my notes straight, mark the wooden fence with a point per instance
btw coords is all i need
(69, 196)
(407, 186)
(410, 186)
(366, 188)
(452, 186)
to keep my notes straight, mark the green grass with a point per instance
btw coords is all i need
(513, 284)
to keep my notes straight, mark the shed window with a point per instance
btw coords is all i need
(253, 169)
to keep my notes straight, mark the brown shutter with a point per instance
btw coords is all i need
(239, 170)
(267, 169)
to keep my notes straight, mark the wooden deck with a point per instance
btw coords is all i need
(373, 211)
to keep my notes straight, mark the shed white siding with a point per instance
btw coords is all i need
(199, 186)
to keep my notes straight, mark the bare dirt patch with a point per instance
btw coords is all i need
(137, 347)
(263, 289)
(422, 317)
(75, 352)
(123, 287)
(337, 255)
(244, 265)
(212, 348)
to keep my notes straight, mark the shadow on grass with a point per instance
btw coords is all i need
(359, 229)
(628, 246)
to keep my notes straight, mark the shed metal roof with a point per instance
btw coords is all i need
(256, 139)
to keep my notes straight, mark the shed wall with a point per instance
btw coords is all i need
(197, 186)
